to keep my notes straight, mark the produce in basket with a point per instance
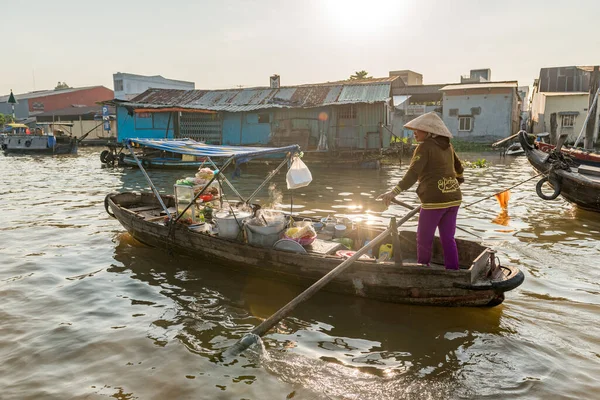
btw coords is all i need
(304, 235)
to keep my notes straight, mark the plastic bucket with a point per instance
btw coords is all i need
(228, 224)
(340, 230)
(267, 230)
(263, 237)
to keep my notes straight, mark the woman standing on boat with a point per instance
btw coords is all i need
(439, 172)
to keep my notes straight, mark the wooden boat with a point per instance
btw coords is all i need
(52, 140)
(162, 162)
(151, 158)
(578, 184)
(514, 149)
(579, 156)
(481, 281)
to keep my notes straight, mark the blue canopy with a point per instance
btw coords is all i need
(191, 147)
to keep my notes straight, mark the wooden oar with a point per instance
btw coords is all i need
(499, 142)
(251, 338)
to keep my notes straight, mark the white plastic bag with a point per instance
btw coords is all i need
(298, 175)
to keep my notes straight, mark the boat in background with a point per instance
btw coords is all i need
(514, 149)
(46, 138)
(579, 156)
(578, 184)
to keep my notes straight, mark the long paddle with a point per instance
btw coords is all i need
(251, 338)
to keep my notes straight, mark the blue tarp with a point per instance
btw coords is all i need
(193, 148)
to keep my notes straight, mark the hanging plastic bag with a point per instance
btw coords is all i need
(298, 175)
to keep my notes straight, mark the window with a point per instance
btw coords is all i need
(264, 118)
(347, 112)
(567, 121)
(465, 124)
(118, 85)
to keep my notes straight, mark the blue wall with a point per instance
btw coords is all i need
(252, 131)
(493, 122)
(152, 127)
(21, 109)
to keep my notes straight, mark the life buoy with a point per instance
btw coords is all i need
(555, 183)
(28, 143)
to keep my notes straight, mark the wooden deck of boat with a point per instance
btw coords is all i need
(322, 247)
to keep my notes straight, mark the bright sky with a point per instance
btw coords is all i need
(226, 43)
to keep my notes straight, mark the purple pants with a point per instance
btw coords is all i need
(445, 220)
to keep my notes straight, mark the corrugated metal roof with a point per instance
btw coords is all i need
(43, 93)
(235, 100)
(483, 85)
(75, 111)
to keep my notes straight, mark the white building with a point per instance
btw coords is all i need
(561, 113)
(127, 86)
(483, 112)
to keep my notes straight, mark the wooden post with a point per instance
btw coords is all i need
(176, 132)
(591, 126)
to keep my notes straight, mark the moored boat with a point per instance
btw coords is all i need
(577, 184)
(514, 149)
(579, 156)
(46, 139)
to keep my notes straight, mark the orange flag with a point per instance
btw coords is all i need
(503, 198)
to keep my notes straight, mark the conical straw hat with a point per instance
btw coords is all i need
(430, 123)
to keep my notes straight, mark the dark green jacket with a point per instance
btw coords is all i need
(439, 172)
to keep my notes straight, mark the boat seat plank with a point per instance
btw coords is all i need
(479, 266)
(144, 208)
(589, 170)
(320, 246)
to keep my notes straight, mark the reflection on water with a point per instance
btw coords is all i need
(89, 312)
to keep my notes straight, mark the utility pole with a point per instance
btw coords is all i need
(591, 126)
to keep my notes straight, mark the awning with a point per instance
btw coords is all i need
(172, 109)
(194, 148)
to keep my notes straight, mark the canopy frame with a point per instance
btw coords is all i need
(240, 156)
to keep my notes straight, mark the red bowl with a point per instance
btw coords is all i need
(206, 197)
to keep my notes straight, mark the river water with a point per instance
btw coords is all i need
(88, 313)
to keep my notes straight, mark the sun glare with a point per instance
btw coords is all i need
(360, 17)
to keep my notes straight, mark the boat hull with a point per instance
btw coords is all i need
(38, 144)
(160, 163)
(577, 188)
(408, 283)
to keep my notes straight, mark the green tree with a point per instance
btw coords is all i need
(360, 75)
(6, 119)
(62, 85)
